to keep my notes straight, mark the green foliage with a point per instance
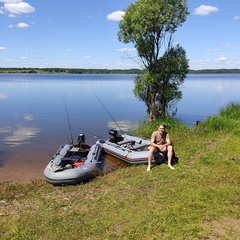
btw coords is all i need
(159, 88)
(231, 111)
(146, 127)
(226, 121)
(150, 26)
(145, 19)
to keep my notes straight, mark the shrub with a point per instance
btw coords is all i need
(227, 119)
(231, 111)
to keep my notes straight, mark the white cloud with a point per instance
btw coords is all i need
(10, 1)
(216, 63)
(2, 48)
(22, 25)
(125, 49)
(68, 50)
(17, 7)
(221, 59)
(205, 10)
(19, 25)
(227, 44)
(237, 17)
(115, 16)
(87, 57)
(213, 50)
(11, 15)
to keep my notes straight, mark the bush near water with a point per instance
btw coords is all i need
(198, 200)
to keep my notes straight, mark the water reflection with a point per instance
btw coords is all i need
(124, 126)
(18, 134)
(2, 96)
(21, 135)
(204, 95)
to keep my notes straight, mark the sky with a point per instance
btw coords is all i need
(83, 34)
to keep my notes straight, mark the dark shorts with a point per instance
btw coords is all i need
(163, 152)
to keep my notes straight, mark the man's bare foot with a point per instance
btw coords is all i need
(171, 167)
(148, 169)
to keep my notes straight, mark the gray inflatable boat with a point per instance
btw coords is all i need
(132, 149)
(73, 164)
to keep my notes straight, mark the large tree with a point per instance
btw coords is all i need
(150, 26)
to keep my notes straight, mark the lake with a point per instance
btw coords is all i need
(37, 110)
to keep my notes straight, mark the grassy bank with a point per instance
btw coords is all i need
(198, 200)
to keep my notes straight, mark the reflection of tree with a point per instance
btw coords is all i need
(21, 136)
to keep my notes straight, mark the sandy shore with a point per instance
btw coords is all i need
(24, 174)
(25, 164)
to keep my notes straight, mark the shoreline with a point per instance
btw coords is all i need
(24, 173)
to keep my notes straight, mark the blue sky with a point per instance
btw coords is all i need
(83, 34)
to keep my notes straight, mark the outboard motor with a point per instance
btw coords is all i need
(81, 140)
(113, 133)
(114, 136)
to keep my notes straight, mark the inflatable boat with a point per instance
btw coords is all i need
(74, 164)
(130, 149)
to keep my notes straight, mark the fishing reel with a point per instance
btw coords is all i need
(81, 138)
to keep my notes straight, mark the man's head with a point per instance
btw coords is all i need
(161, 127)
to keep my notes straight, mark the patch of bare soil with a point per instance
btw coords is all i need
(224, 229)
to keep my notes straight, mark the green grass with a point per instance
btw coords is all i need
(198, 200)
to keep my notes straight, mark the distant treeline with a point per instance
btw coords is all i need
(101, 71)
(215, 71)
(70, 71)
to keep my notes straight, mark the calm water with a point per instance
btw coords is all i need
(33, 120)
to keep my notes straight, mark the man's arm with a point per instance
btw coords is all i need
(168, 141)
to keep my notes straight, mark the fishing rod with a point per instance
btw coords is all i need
(109, 114)
(94, 135)
(69, 126)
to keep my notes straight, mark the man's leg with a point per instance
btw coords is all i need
(150, 156)
(169, 155)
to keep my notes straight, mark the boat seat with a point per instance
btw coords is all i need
(116, 139)
(125, 142)
(140, 146)
(72, 158)
(74, 149)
